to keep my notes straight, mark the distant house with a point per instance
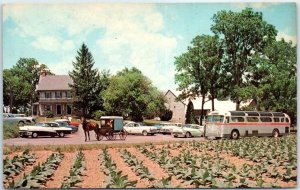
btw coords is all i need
(177, 107)
(54, 95)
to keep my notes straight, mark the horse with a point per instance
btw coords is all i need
(90, 126)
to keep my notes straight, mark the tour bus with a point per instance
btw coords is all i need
(233, 124)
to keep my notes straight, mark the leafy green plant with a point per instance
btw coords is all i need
(40, 173)
(115, 178)
(76, 171)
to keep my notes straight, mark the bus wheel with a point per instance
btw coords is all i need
(275, 133)
(235, 134)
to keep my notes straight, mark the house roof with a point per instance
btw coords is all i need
(177, 92)
(54, 82)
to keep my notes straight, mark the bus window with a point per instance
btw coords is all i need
(237, 119)
(266, 119)
(252, 119)
(282, 119)
(227, 119)
(276, 119)
(215, 118)
(287, 120)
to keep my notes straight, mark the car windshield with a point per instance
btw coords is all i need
(186, 126)
(215, 118)
(39, 124)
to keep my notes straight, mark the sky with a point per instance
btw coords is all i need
(148, 36)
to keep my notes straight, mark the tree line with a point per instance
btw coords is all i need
(127, 93)
(241, 60)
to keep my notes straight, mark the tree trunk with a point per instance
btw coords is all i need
(10, 102)
(237, 105)
(202, 106)
(213, 103)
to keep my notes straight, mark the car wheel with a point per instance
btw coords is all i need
(175, 136)
(34, 135)
(61, 134)
(145, 133)
(52, 135)
(188, 135)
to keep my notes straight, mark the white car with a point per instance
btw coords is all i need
(27, 118)
(137, 128)
(167, 128)
(44, 129)
(189, 130)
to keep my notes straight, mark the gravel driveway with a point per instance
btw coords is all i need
(78, 138)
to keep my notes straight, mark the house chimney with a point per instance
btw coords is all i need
(43, 72)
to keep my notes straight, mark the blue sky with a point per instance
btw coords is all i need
(147, 36)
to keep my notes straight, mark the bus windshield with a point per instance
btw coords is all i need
(215, 118)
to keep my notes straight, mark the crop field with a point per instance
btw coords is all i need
(247, 162)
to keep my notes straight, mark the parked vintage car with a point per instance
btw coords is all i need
(28, 118)
(66, 124)
(9, 118)
(189, 130)
(73, 123)
(138, 128)
(167, 128)
(44, 129)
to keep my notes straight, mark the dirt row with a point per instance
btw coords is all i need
(95, 178)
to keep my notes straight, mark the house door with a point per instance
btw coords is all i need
(58, 109)
(69, 110)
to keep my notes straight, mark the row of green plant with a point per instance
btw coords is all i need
(114, 177)
(76, 171)
(40, 173)
(270, 158)
(205, 170)
(14, 166)
(135, 165)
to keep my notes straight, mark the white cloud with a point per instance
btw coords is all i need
(133, 34)
(255, 5)
(61, 67)
(286, 37)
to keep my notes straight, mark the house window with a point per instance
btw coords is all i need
(42, 95)
(69, 95)
(58, 95)
(53, 95)
(48, 95)
(63, 95)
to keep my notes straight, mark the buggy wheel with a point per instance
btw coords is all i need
(123, 135)
(99, 137)
(111, 136)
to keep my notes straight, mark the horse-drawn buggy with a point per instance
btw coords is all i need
(111, 127)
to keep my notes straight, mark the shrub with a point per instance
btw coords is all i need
(97, 114)
(166, 115)
(10, 131)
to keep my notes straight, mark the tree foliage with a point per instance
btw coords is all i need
(166, 115)
(199, 69)
(87, 82)
(131, 94)
(244, 34)
(190, 116)
(19, 83)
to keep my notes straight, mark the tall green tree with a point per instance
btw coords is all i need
(271, 82)
(199, 70)
(190, 116)
(24, 75)
(132, 94)
(243, 35)
(86, 81)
